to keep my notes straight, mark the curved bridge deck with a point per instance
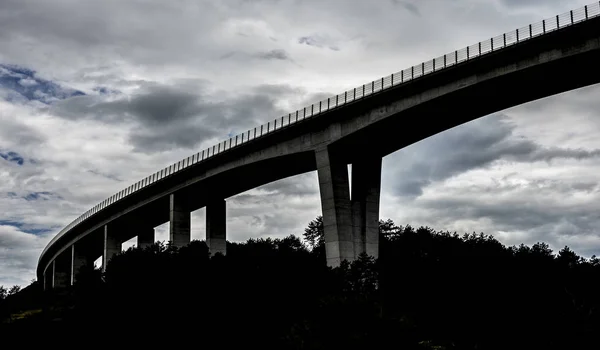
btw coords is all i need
(358, 127)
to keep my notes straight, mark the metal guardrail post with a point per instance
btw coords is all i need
(544, 26)
(557, 22)
(586, 12)
(468, 53)
(571, 16)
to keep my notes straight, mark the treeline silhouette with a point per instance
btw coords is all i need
(428, 290)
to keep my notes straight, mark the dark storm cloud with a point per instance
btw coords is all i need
(470, 146)
(181, 115)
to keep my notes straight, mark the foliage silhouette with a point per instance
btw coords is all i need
(427, 290)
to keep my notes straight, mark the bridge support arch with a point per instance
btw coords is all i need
(351, 225)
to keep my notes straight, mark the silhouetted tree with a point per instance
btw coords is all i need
(428, 290)
(14, 290)
(314, 234)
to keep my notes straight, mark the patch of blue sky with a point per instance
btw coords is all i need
(24, 227)
(41, 196)
(23, 82)
(12, 157)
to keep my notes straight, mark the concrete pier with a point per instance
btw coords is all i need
(335, 204)
(366, 187)
(112, 244)
(79, 259)
(215, 227)
(179, 221)
(61, 271)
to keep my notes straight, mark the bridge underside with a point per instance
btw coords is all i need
(360, 134)
(351, 223)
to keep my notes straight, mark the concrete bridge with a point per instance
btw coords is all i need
(358, 127)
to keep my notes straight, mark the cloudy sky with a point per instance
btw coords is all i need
(95, 95)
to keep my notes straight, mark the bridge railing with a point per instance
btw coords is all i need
(402, 77)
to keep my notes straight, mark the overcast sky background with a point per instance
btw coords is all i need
(95, 95)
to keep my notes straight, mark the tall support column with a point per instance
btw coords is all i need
(335, 204)
(61, 270)
(145, 237)
(53, 273)
(366, 187)
(215, 227)
(79, 259)
(48, 278)
(179, 222)
(112, 245)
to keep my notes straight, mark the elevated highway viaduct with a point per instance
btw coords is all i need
(357, 127)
